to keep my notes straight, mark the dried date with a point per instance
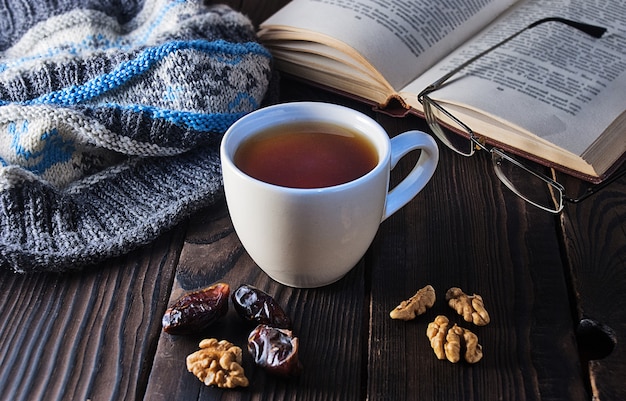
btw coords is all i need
(259, 307)
(275, 350)
(196, 310)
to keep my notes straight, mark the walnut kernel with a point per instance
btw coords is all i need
(451, 342)
(416, 305)
(471, 307)
(218, 363)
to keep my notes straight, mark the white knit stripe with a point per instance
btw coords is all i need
(76, 30)
(76, 126)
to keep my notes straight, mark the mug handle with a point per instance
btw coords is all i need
(424, 168)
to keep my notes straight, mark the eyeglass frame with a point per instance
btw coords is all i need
(477, 143)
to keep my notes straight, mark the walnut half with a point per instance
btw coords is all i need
(471, 307)
(452, 342)
(416, 305)
(218, 363)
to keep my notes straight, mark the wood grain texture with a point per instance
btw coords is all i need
(88, 335)
(595, 241)
(328, 322)
(465, 229)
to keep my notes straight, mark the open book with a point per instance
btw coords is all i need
(554, 94)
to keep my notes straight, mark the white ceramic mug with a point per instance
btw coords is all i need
(312, 237)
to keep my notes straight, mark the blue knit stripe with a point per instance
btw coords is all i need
(143, 62)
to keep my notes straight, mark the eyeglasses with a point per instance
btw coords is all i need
(517, 176)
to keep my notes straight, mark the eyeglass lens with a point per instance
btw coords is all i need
(452, 136)
(526, 184)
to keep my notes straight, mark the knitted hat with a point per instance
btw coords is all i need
(111, 114)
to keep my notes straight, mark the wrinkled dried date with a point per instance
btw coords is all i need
(259, 307)
(197, 310)
(275, 350)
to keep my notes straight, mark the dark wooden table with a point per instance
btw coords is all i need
(555, 287)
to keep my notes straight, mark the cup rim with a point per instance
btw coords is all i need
(266, 117)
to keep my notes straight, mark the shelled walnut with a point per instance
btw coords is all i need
(436, 332)
(473, 350)
(452, 342)
(416, 305)
(218, 363)
(471, 307)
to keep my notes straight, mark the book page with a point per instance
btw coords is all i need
(545, 80)
(396, 36)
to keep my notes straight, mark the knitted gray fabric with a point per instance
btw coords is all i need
(111, 115)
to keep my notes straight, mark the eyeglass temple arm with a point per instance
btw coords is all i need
(596, 188)
(592, 30)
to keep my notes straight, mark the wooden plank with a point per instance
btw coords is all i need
(466, 230)
(595, 241)
(328, 322)
(85, 335)
(324, 320)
